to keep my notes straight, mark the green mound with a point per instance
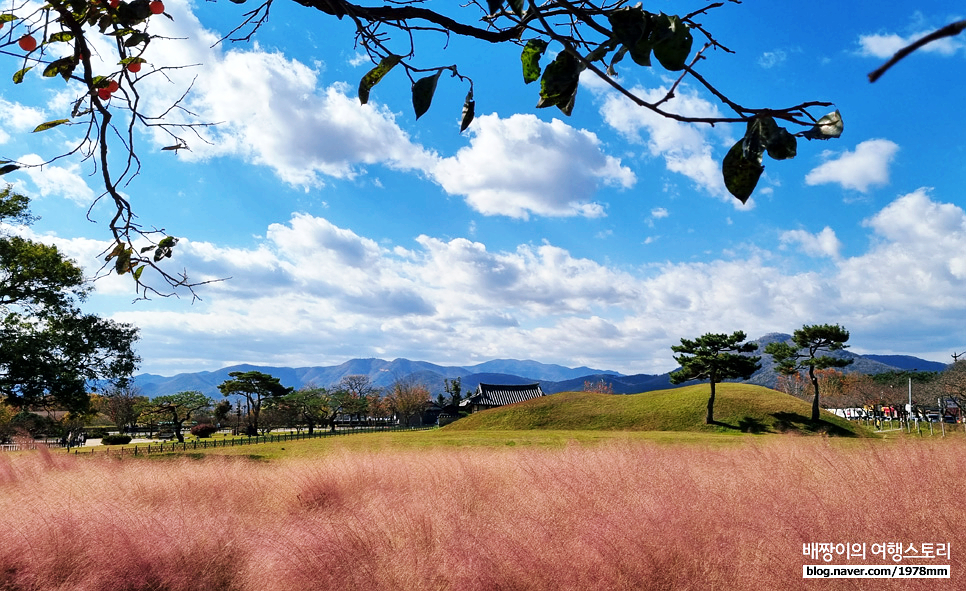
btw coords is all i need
(738, 408)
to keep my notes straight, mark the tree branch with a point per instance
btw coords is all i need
(950, 30)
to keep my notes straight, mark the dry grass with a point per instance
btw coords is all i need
(622, 515)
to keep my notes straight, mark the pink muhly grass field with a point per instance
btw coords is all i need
(615, 516)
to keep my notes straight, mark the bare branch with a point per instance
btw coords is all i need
(950, 30)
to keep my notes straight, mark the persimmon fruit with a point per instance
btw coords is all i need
(28, 43)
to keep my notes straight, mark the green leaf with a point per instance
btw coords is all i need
(763, 134)
(828, 127)
(145, 249)
(62, 36)
(631, 27)
(494, 5)
(782, 145)
(8, 168)
(558, 85)
(18, 76)
(165, 248)
(239, 1)
(50, 125)
(137, 39)
(741, 174)
(671, 41)
(137, 272)
(63, 66)
(423, 91)
(118, 249)
(7, 17)
(376, 74)
(530, 57)
(517, 6)
(134, 12)
(123, 263)
(469, 111)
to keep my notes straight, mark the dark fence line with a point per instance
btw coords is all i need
(161, 447)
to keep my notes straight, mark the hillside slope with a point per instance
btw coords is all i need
(738, 408)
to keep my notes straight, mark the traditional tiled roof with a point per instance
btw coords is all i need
(498, 395)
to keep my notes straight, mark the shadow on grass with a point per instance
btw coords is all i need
(793, 421)
(745, 425)
(786, 422)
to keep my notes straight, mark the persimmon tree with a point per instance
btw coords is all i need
(602, 37)
(715, 357)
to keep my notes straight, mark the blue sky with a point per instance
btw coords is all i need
(599, 239)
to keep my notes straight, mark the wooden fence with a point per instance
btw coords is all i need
(162, 447)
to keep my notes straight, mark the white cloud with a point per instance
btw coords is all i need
(17, 118)
(770, 59)
(270, 110)
(867, 166)
(910, 283)
(521, 166)
(314, 293)
(686, 148)
(823, 244)
(58, 181)
(885, 45)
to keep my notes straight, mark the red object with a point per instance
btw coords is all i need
(28, 43)
(157, 7)
(112, 86)
(134, 67)
(103, 93)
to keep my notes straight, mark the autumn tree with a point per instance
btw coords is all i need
(7, 426)
(598, 386)
(557, 41)
(952, 381)
(179, 408)
(714, 357)
(805, 353)
(407, 399)
(353, 395)
(52, 353)
(255, 386)
(122, 404)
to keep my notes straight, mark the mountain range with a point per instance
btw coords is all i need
(552, 378)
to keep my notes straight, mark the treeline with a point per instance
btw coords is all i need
(931, 391)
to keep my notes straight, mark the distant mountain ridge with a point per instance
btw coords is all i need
(381, 373)
(553, 378)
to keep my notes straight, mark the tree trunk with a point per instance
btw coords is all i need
(811, 376)
(709, 420)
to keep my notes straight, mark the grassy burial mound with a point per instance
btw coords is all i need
(738, 408)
